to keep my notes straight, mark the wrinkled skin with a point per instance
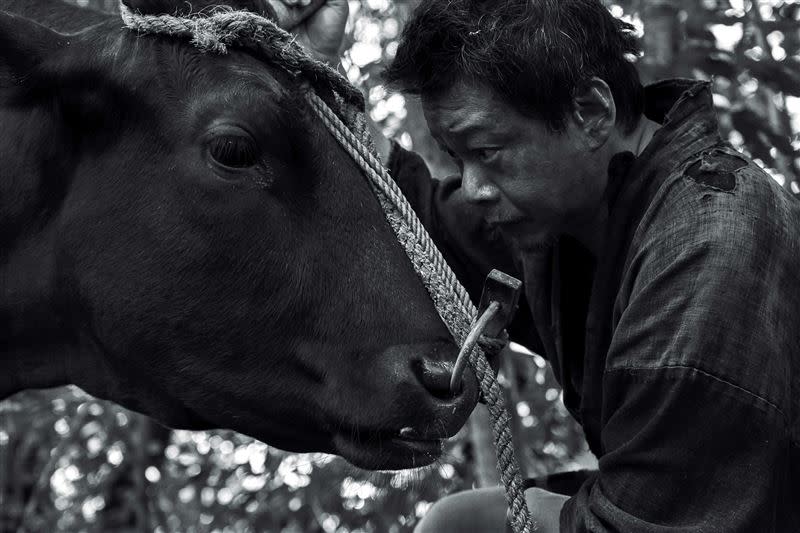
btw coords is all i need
(179, 235)
(532, 184)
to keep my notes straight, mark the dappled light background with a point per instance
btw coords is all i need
(69, 462)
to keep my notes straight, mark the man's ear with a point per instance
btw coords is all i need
(24, 44)
(595, 112)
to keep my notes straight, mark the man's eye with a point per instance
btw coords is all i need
(486, 154)
(449, 152)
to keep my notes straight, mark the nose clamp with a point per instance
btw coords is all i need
(499, 302)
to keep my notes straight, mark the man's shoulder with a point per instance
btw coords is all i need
(713, 275)
(723, 198)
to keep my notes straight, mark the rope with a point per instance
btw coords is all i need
(449, 297)
(217, 31)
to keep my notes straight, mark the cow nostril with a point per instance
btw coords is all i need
(435, 377)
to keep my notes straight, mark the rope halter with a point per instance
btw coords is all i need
(222, 28)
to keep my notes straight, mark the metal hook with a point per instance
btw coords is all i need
(498, 302)
(469, 344)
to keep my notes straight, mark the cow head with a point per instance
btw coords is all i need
(187, 240)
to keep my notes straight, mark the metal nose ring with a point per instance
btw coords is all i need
(499, 303)
(466, 349)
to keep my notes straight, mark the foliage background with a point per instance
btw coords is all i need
(69, 462)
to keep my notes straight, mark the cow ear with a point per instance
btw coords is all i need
(182, 8)
(24, 44)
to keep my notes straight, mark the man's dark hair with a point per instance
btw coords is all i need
(533, 53)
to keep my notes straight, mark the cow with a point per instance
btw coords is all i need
(179, 235)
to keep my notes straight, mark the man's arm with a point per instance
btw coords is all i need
(318, 25)
(694, 432)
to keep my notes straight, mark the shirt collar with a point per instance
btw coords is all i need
(685, 110)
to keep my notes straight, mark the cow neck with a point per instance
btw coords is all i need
(34, 345)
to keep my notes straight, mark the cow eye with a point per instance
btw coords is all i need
(233, 151)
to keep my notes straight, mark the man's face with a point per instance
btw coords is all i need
(533, 184)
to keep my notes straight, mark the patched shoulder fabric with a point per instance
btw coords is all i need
(715, 169)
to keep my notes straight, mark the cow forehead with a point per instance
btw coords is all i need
(240, 88)
(188, 71)
(255, 72)
(172, 69)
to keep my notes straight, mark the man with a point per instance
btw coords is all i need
(661, 267)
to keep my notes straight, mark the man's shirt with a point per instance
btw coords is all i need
(678, 348)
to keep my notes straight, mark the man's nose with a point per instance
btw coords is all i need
(478, 190)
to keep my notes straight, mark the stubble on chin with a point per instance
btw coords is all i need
(537, 246)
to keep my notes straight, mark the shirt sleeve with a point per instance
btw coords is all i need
(458, 229)
(693, 435)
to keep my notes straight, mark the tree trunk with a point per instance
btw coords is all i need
(662, 40)
(483, 452)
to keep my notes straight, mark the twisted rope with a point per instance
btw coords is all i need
(449, 297)
(216, 30)
(224, 28)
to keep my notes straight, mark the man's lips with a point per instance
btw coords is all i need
(505, 224)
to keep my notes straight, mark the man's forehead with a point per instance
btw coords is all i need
(463, 108)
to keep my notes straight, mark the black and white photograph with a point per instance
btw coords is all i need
(399, 266)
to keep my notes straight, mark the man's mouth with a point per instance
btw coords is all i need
(507, 224)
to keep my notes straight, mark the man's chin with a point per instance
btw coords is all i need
(534, 243)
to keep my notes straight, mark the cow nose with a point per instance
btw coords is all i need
(435, 377)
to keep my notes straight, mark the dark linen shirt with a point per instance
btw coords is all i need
(678, 348)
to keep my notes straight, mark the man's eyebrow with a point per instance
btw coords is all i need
(475, 135)
(480, 133)
(467, 126)
(475, 123)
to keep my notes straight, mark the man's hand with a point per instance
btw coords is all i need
(319, 27)
(318, 24)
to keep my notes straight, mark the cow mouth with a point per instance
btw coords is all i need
(388, 449)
